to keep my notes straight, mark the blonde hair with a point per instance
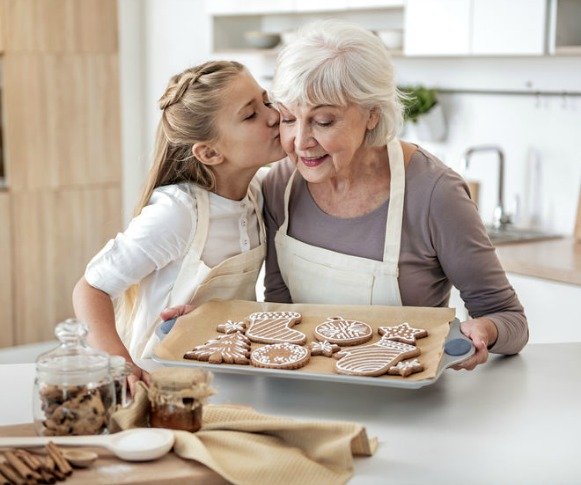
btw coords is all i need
(189, 107)
(338, 63)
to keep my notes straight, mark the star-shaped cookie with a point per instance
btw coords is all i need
(403, 333)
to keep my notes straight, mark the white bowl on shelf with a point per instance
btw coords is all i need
(261, 40)
(391, 38)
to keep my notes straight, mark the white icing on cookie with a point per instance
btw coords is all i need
(231, 327)
(280, 356)
(374, 359)
(338, 330)
(403, 333)
(274, 327)
(232, 348)
(323, 348)
(406, 367)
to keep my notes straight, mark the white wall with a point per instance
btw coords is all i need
(158, 38)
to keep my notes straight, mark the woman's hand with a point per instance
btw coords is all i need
(483, 333)
(176, 311)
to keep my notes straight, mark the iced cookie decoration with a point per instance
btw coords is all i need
(274, 327)
(405, 368)
(338, 330)
(231, 327)
(323, 348)
(374, 359)
(232, 348)
(280, 356)
(403, 333)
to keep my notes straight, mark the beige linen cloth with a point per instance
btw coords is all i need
(246, 447)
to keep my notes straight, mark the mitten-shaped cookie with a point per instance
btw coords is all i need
(374, 359)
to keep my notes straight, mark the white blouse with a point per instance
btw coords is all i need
(153, 246)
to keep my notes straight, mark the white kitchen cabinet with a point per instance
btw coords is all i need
(565, 27)
(507, 28)
(437, 27)
(248, 7)
(476, 27)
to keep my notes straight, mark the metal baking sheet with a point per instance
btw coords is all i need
(445, 362)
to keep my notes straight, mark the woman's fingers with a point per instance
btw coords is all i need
(480, 357)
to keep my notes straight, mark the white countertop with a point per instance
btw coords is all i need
(515, 420)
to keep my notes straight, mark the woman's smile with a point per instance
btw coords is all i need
(313, 162)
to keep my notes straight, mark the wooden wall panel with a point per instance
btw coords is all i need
(61, 26)
(62, 121)
(6, 320)
(59, 231)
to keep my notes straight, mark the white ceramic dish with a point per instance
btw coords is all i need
(261, 40)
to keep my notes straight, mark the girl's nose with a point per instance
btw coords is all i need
(273, 116)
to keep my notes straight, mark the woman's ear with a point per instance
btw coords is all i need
(373, 119)
(206, 154)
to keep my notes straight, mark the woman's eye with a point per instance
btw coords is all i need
(268, 104)
(287, 120)
(249, 117)
(324, 123)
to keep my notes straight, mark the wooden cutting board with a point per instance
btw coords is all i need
(170, 469)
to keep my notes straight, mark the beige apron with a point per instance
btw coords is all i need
(318, 275)
(232, 279)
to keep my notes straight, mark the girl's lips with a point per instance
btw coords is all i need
(312, 162)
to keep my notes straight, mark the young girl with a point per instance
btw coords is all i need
(198, 231)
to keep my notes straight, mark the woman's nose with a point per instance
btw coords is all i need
(303, 138)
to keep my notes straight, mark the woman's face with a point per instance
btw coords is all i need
(248, 125)
(324, 141)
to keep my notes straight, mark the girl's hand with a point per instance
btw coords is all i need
(136, 376)
(483, 333)
(176, 311)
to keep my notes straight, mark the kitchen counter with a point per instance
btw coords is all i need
(514, 420)
(557, 259)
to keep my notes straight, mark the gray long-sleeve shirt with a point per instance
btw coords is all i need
(443, 243)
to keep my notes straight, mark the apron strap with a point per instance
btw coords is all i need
(261, 226)
(287, 192)
(396, 200)
(203, 220)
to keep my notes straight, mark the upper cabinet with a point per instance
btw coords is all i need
(437, 27)
(508, 28)
(492, 27)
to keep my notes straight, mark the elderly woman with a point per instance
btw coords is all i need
(355, 216)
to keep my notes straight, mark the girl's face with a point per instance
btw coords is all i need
(324, 141)
(247, 125)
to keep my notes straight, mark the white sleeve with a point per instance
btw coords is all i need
(161, 233)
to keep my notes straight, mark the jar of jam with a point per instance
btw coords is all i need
(177, 396)
(73, 390)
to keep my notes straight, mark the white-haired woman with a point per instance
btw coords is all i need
(355, 216)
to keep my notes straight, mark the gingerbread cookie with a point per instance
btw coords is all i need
(374, 359)
(338, 330)
(280, 356)
(232, 348)
(403, 333)
(274, 327)
(231, 327)
(405, 368)
(323, 348)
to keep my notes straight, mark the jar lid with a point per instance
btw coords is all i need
(73, 360)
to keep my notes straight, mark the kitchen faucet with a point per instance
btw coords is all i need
(500, 218)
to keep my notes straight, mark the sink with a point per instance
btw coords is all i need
(510, 234)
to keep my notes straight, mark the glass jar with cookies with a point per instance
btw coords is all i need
(74, 393)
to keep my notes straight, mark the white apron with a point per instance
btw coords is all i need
(196, 283)
(318, 275)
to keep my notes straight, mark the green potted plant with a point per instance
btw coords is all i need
(423, 112)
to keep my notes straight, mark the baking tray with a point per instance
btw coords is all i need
(449, 332)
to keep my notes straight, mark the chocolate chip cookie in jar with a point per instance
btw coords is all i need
(120, 370)
(73, 391)
(177, 397)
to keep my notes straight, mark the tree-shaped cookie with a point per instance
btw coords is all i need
(374, 359)
(232, 348)
(403, 333)
(274, 327)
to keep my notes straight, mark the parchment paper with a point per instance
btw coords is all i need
(199, 326)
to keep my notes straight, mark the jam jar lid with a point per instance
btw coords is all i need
(73, 361)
